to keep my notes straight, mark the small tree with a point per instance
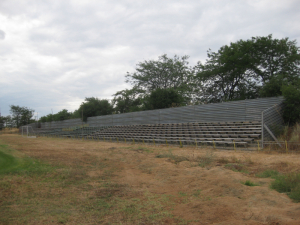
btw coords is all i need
(95, 107)
(21, 115)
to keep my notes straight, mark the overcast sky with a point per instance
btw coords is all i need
(55, 53)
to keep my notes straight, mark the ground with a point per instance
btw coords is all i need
(89, 182)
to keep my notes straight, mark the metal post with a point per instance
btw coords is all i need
(262, 130)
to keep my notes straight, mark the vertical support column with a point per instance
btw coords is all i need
(262, 129)
(159, 116)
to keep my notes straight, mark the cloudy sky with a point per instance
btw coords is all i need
(55, 53)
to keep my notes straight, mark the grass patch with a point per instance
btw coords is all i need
(236, 167)
(10, 164)
(174, 158)
(268, 173)
(6, 161)
(143, 149)
(249, 183)
(289, 183)
(207, 159)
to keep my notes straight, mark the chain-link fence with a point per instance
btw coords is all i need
(272, 123)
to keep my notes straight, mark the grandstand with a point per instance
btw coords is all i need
(238, 123)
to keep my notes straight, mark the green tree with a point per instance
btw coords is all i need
(164, 98)
(274, 57)
(95, 107)
(248, 69)
(291, 112)
(21, 115)
(128, 100)
(60, 116)
(226, 76)
(163, 73)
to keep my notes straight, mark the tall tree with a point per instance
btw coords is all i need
(95, 107)
(21, 115)
(242, 69)
(162, 73)
(128, 100)
(164, 98)
(226, 76)
(275, 57)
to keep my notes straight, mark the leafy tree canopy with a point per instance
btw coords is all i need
(162, 73)
(21, 115)
(164, 98)
(128, 100)
(248, 69)
(95, 107)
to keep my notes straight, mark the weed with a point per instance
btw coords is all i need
(249, 183)
(197, 193)
(174, 158)
(236, 167)
(207, 159)
(223, 160)
(182, 194)
(268, 173)
(289, 183)
(143, 149)
(249, 161)
(235, 159)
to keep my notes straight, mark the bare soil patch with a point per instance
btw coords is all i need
(114, 183)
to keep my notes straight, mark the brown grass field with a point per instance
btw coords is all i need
(66, 181)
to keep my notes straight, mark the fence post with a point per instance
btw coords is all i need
(262, 129)
(286, 147)
(234, 145)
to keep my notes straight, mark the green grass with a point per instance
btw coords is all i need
(284, 183)
(249, 183)
(206, 160)
(171, 156)
(268, 173)
(9, 164)
(289, 183)
(41, 192)
(6, 161)
(237, 167)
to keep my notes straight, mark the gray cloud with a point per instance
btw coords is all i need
(56, 53)
(2, 35)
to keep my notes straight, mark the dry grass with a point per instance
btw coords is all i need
(88, 182)
(6, 130)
